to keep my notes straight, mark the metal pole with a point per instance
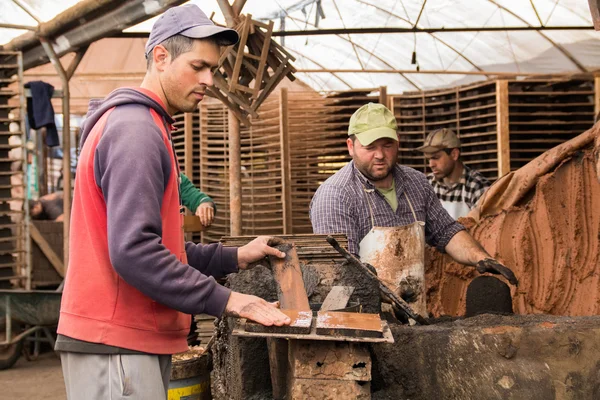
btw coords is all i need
(66, 134)
(235, 175)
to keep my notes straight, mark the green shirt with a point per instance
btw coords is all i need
(191, 197)
(390, 196)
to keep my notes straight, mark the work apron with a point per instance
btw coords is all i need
(398, 255)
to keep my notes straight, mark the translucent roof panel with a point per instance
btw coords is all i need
(447, 55)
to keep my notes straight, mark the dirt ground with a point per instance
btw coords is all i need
(40, 379)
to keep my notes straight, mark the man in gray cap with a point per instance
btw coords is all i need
(457, 186)
(132, 281)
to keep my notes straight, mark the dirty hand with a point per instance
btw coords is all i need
(494, 267)
(206, 213)
(258, 249)
(256, 309)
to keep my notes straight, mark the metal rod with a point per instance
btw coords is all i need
(358, 31)
(235, 175)
(354, 31)
(66, 136)
(16, 26)
(435, 72)
(26, 8)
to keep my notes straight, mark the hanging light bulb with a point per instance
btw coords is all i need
(413, 60)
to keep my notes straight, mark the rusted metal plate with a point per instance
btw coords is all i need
(349, 324)
(327, 389)
(329, 360)
(301, 323)
(240, 330)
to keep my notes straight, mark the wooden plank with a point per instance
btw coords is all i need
(301, 324)
(288, 277)
(262, 65)
(239, 330)
(47, 250)
(278, 366)
(502, 127)
(333, 323)
(286, 165)
(191, 223)
(337, 298)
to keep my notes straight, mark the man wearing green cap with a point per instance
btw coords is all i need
(373, 197)
(457, 186)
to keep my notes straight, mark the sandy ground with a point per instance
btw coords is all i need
(40, 379)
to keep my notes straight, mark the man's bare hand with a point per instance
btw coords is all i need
(206, 213)
(494, 267)
(258, 249)
(255, 309)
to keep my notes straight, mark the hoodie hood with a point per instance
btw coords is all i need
(119, 97)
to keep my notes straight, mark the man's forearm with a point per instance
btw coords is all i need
(464, 249)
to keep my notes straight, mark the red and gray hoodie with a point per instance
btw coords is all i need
(131, 281)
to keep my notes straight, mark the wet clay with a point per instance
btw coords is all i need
(550, 239)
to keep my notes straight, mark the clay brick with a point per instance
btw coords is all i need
(329, 360)
(324, 389)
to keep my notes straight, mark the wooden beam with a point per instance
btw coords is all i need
(235, 175)
(286, 163)
(595, 10)
(228, 12)
(596, 95)
(46, 249)
(75, 61)
(503, 133)
(383, 97)
(237, 7)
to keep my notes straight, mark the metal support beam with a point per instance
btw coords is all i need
(28, 10)
(128, 14)
(356, 31)
(439, 72)
(235, 175)
(66, 137)
(16, 26)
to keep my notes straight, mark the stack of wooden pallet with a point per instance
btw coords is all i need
(250, 70)
(13, 228)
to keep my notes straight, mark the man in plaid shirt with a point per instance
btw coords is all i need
(373, 191)
(457, 186)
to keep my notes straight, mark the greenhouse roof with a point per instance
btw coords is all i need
(402, 44)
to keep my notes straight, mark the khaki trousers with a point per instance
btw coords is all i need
(116, 376)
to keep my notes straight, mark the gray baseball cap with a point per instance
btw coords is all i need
(190, 21)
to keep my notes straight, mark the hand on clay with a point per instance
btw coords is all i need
(258, 249)
(494, 267)
(255, 309)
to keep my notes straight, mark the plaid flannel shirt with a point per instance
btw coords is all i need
(340, 206)
(471, 186)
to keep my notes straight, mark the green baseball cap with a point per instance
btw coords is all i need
(371, 122)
